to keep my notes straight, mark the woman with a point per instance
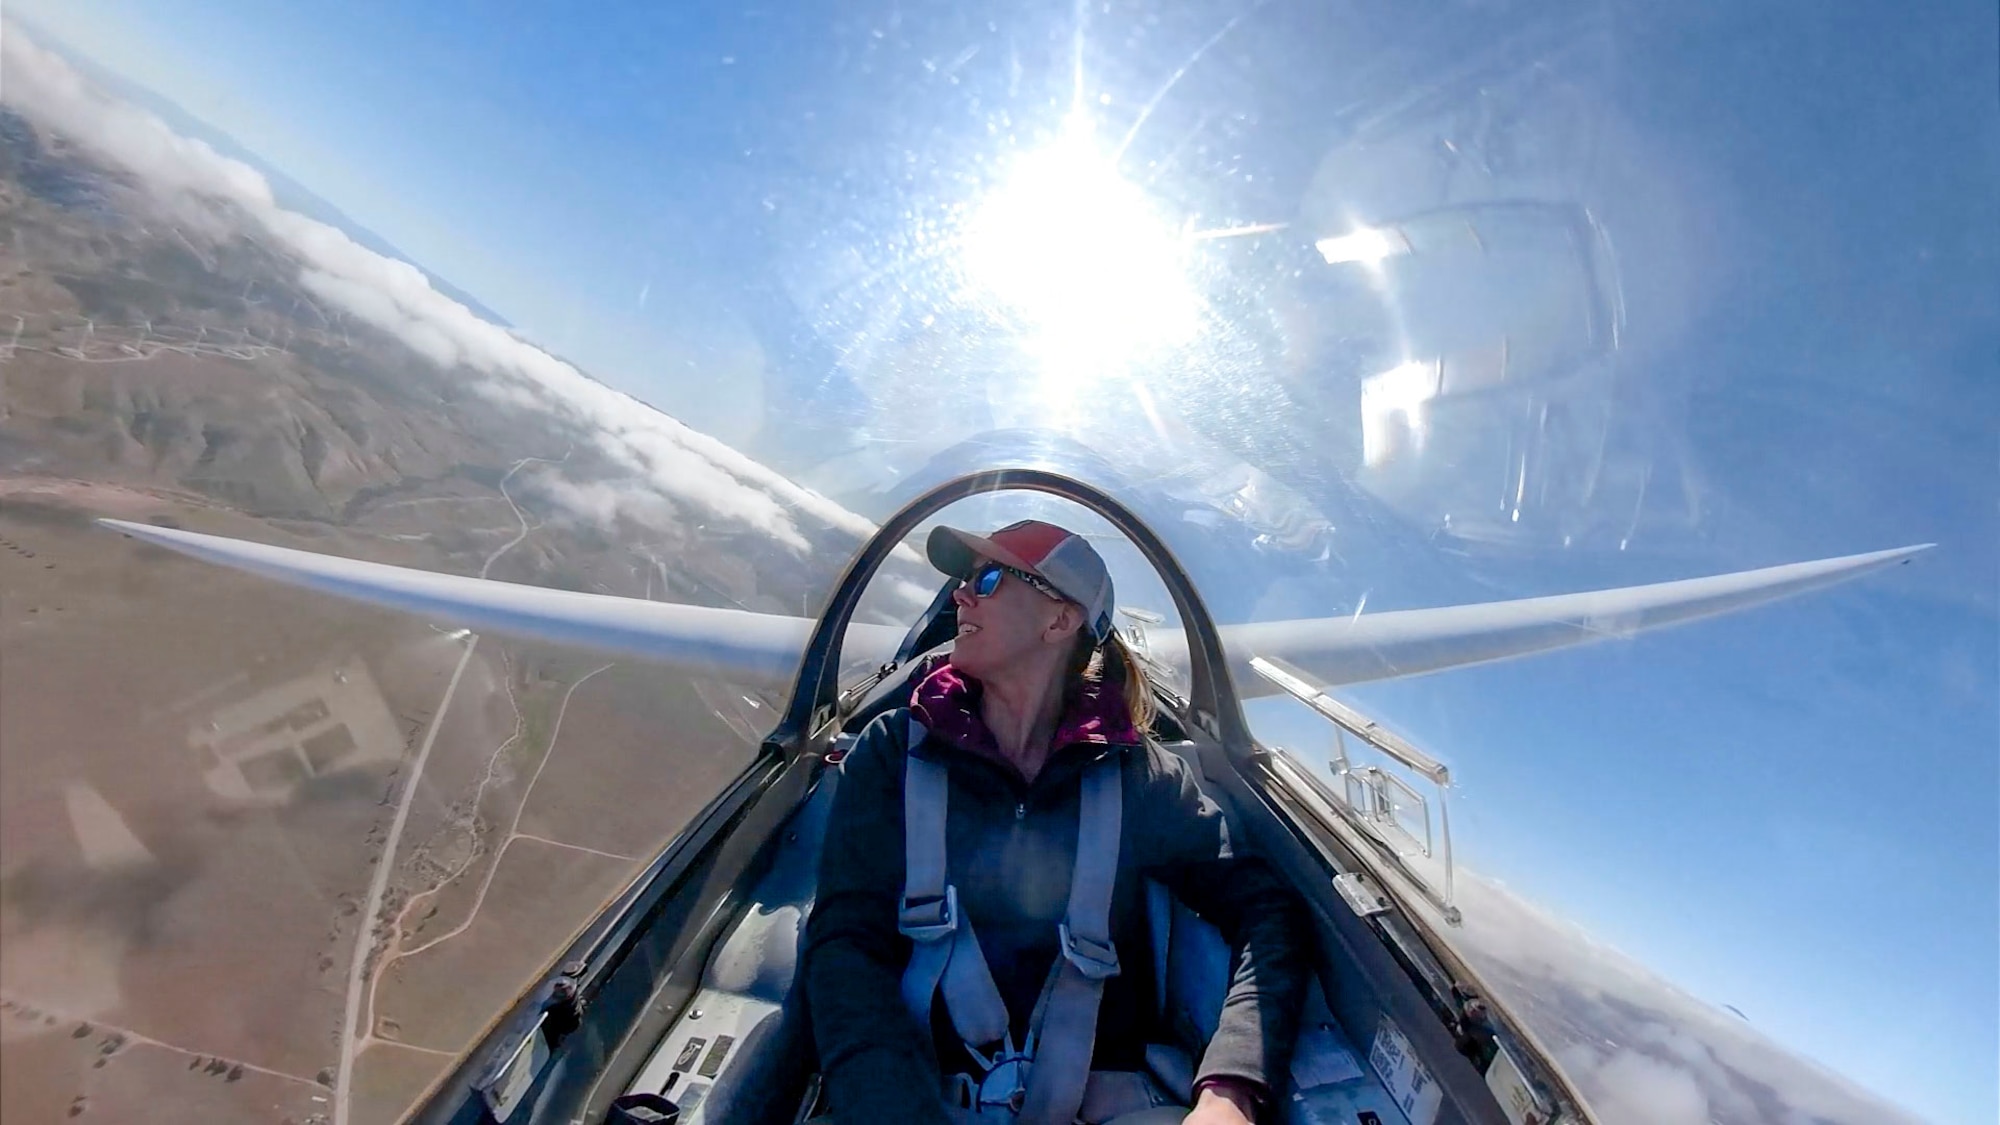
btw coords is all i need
(970, 984)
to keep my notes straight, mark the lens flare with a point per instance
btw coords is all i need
(1083, 259)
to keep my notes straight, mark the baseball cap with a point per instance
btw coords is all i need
(1058, 556)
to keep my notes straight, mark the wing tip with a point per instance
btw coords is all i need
(167, 537)
(1900, 556)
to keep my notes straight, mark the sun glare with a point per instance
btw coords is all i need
(1393, 410)
(1083, 258)
(1367, 245)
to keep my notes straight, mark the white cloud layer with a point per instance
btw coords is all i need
(685, 466)
(1642, 1050)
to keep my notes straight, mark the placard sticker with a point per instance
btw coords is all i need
(1517, 1098)
(712, 1065)
(1410, 1085)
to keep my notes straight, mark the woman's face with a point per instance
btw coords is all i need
(1017, 626)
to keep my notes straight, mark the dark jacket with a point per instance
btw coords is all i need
(1010, 847)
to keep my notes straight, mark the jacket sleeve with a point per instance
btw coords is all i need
(1261, 918)
(876, 1066)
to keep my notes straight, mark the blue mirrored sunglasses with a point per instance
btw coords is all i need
(985, 580)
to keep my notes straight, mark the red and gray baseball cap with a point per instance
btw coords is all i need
(1058, 556)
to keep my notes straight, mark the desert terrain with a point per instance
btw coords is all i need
(218, 879)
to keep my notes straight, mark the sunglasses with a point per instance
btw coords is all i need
(985, 580)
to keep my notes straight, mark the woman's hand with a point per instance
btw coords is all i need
(1222, 1106)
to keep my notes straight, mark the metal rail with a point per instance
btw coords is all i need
(1369, 796)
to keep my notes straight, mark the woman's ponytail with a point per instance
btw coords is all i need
(1111, 662)
(1120, 663)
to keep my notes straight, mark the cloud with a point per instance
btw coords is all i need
(1639, 1048)
(1628, 1086)
(44, 87)
(605, 502)
(685, 466)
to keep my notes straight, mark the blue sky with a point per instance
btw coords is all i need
(1792, 811)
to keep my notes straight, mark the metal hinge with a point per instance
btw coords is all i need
(507, 1083)
(1363, 894)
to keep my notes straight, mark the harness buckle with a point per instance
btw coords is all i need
(1009, 1086)
(929, 921)
(1094, 959)
(1003, 1083)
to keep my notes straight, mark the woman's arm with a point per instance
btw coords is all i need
(1263, 920)
(876, 1065)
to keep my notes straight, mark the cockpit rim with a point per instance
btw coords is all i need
(814, 709)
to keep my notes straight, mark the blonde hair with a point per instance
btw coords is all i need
(1115, 662)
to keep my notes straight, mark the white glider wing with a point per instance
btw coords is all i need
(752, 649)
(760, 649)
(1380, 646)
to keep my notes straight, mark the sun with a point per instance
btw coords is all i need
(1083, 260)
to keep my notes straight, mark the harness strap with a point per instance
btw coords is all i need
(929, 911)
(977, 1012)
(1066, 1032)
(945, 953)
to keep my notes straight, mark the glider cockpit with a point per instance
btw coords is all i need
(683, 999)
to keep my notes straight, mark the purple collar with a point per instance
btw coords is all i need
(947, 704)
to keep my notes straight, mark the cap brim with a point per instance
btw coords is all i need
(954, 552)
